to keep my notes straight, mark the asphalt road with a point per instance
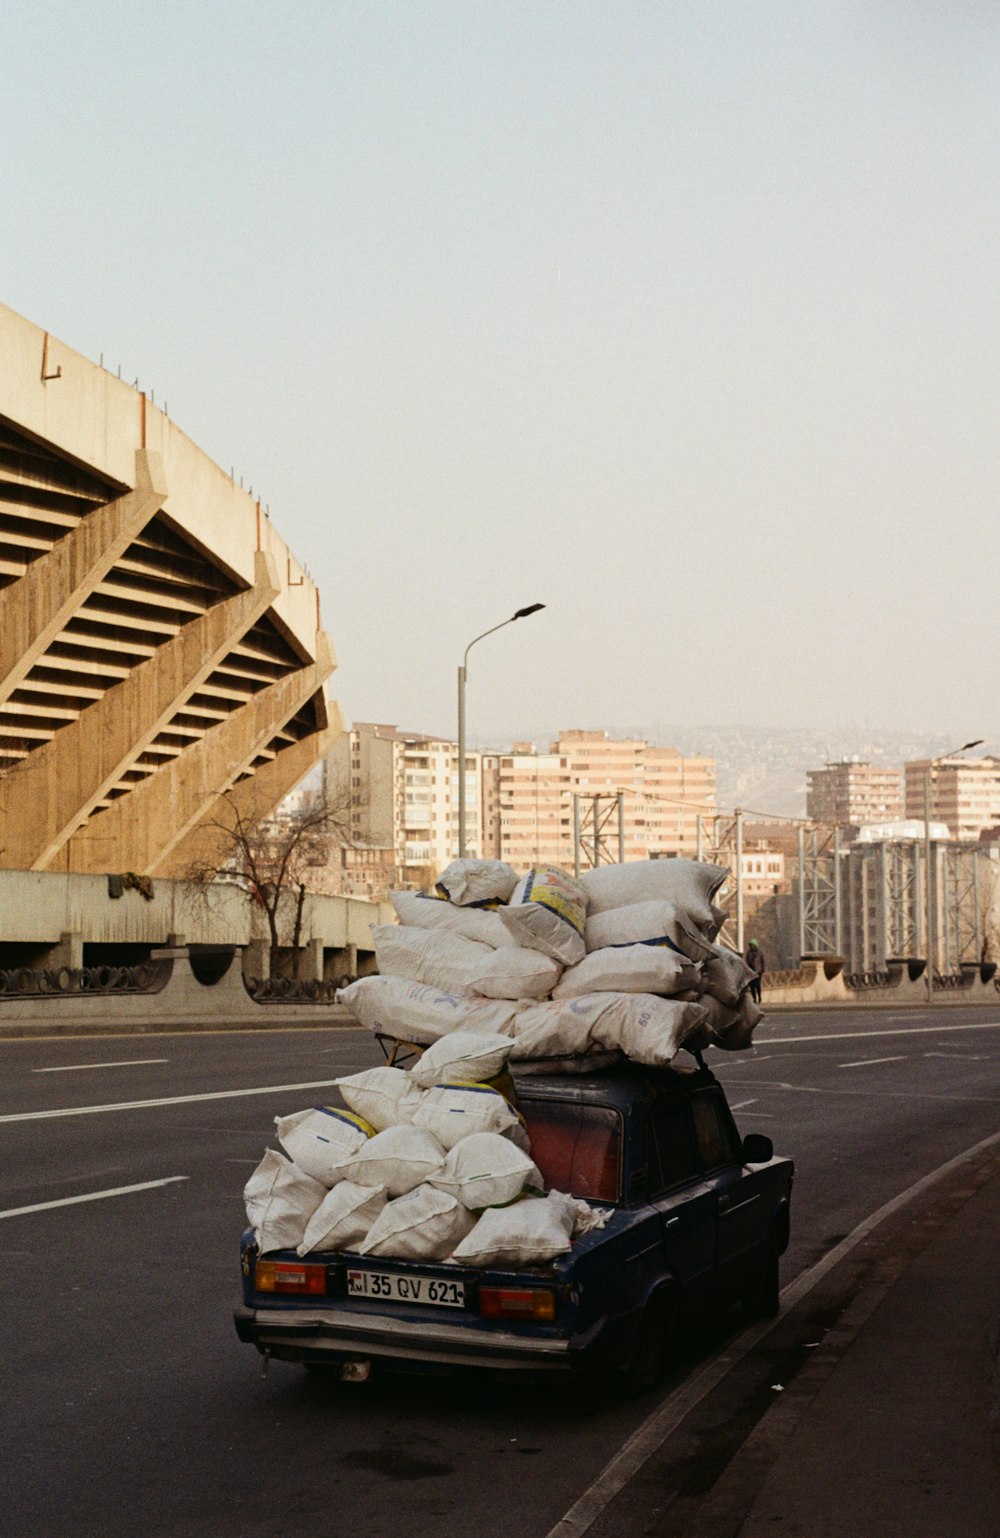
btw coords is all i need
(132, 1409)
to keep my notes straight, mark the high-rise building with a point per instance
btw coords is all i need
(535, 808)
(522, 806)
(543, 797)
(850, 793)
(490, 803)
(964, 793)
(402, 790)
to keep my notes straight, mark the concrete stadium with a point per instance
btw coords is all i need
(160, 648)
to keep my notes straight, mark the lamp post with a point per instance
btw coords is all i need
(532, 608)
(928, 884)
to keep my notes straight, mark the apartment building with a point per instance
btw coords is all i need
(402, 789)
(355, 870)
(535, 808)
(763, 870)
(541, 795)
(964, 793)
(489, 801)
(402, 792)
(851, 793)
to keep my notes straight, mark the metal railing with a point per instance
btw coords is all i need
(295, 990)
(31, 982)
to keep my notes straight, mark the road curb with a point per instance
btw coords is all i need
(279, 1018)
(859, 1284)
(676, 1490)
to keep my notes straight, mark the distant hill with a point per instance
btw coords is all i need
(763, 769)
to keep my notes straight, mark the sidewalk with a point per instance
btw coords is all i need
(903, 1436)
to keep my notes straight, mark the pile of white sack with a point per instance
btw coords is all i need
(433, 1163)
(620, 963)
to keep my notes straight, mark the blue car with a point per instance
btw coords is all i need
(697, 1220)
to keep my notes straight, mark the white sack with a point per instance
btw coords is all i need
(719, 917)
(578, 1216)
(690, 884)
(529, 1233)
(425, 910)
(320, 1138)
(382, 1096)
(477, 881)
(515, 972)
(425, 1224)
(453, 1111)
(435, 957)
(719, 1016)
(471, 1055)
(727, 976)
(343, 1217)
(415, 1012)
(647, 1029)
(657, 922)
(399, 1158)
(700, 1040)
(738, 1037)
(547, 912)
(486, 1170)
(280, 1199)
(559, 1028)
(583, 1217)
(629, 969)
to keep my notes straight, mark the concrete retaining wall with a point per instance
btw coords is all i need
(822, 981)
(48, 910)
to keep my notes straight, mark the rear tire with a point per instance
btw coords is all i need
(649, 1352)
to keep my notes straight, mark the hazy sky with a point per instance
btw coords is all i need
(679, 318)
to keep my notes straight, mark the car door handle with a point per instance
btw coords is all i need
(725, 1203)
(671, 1223)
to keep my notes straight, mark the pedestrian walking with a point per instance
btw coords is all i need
(754, 959)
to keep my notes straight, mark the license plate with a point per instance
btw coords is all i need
(394, 1288)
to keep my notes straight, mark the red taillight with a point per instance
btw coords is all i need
(517, 1302)
(286, 1276)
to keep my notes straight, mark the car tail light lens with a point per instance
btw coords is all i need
(286, 1276)
(517, 1303)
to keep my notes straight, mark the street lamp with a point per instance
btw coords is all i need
(532, 608)
(928, 901)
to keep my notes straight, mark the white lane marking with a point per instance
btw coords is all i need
(130, 1062)
(742, 1105)
(869, 1062)
(913, 1030)
(961, 1057)
(141, 1105)
(653, 1432)
(92, 1196)
(888, 1094)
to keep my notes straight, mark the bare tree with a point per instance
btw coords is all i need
(271, 856)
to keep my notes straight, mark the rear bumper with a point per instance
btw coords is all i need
(334, 1334)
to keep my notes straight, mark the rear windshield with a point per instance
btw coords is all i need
(577, 1148)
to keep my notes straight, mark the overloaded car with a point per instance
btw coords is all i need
(695, 1218)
